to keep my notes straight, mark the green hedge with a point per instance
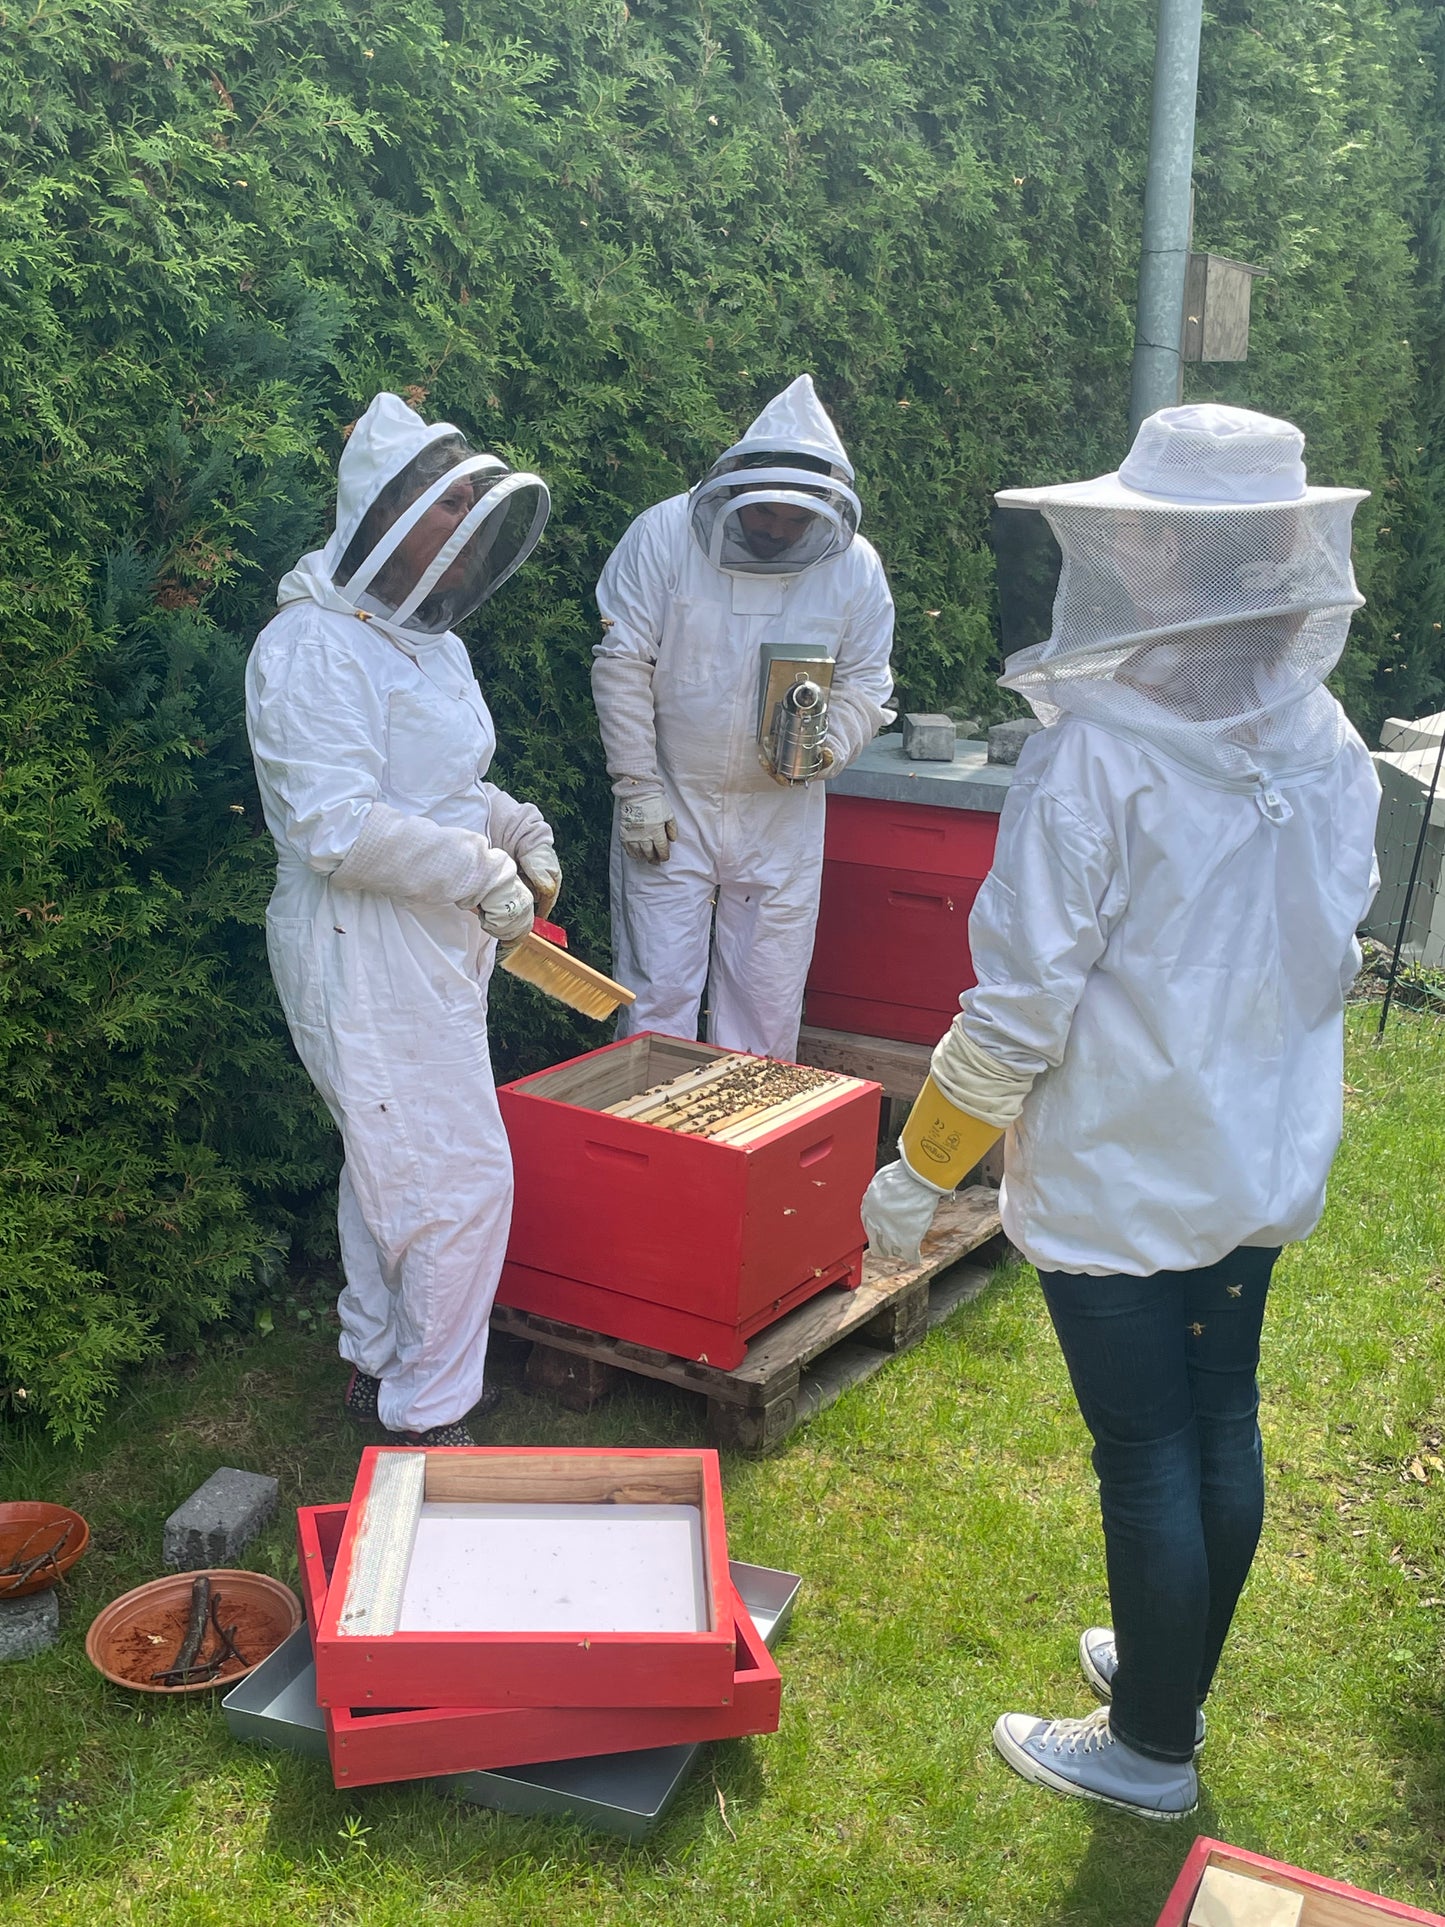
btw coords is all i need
(599, 235)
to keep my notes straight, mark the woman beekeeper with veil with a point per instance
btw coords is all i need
(1162, 950)
(399, 870)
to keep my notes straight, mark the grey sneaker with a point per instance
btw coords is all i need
(1082, 1758)
(1099, 1658)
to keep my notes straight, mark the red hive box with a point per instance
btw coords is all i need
(377, 1646)
(891, 955)
(1327, 1903)
(675, 1242)
(368, 1748)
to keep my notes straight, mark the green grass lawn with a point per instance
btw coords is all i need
(944, 1519)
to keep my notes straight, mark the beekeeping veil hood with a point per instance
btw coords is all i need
(791, 458)
(1205, 594)
(426, 528)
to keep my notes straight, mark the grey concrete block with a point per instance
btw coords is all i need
(1005, 740)
(219, 1519)
(28, 1626)
(929, 739)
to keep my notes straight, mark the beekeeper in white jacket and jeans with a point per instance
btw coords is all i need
(399, 870)
(711, 858)
(1163, 948)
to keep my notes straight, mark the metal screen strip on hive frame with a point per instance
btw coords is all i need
(384, 1540)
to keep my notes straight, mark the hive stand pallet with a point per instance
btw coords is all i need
(800, 1365)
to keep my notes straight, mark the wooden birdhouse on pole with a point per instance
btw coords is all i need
(1216, 308)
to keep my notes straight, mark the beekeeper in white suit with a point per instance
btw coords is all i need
(1163, 948)
(399, 870)
(712, 857)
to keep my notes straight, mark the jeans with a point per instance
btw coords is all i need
(1164, 1372)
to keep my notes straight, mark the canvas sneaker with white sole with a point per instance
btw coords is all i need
(1082, 1758)
(1099, 1658)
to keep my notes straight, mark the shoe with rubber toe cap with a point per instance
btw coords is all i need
(1099, 1657)
(1082, 1758)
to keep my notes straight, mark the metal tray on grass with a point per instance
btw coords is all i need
(621, 1793)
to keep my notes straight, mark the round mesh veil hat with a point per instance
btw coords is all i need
(789, 459)
(427, 528)
(1205, 594)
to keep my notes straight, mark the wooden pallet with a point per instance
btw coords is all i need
(800, 1365)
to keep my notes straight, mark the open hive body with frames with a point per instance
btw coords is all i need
(682, 1196)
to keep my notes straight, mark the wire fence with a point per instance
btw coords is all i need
(1404, 936)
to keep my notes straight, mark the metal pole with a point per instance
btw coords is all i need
(1165, 253)
(1409, 902)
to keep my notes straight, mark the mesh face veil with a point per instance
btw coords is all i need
(441, 537)
(1206, 593)
(780, 500)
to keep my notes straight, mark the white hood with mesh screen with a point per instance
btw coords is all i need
(417, 601)
(1205, 595)
(791, 458)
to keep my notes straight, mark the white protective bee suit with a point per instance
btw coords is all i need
(372, 742)
(686, 605)
(1165, 939)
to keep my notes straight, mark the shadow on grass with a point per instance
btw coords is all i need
(1415, 1729)
(1129, 1867)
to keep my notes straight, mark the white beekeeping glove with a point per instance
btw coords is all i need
(507, 908)
(542, 874)
(898, 1209)
(648, 828)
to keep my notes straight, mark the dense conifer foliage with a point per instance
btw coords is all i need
(598, 235)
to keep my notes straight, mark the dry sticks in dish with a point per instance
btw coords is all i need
(188, 1668)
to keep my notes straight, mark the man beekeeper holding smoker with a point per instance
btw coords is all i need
(1163, 949)
(747, 628)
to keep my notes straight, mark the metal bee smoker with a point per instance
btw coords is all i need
(793, 710)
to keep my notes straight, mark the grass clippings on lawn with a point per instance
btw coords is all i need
(944, 1519)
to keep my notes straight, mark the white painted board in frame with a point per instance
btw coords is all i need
(480, 1567)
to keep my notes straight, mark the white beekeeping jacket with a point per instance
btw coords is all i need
(1172, 964)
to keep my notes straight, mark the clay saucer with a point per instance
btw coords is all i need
(30, 1529)
(140, 1633)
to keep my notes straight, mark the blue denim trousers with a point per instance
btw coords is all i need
(1164, 1372)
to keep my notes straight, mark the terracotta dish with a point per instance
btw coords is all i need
(39, 1543)
(140, 1634)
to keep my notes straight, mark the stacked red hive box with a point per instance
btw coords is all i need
(687, 1244)
(415, 1700)
(891, 953)
(1322, 1902)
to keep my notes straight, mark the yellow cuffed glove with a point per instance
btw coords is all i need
(940, 1143)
